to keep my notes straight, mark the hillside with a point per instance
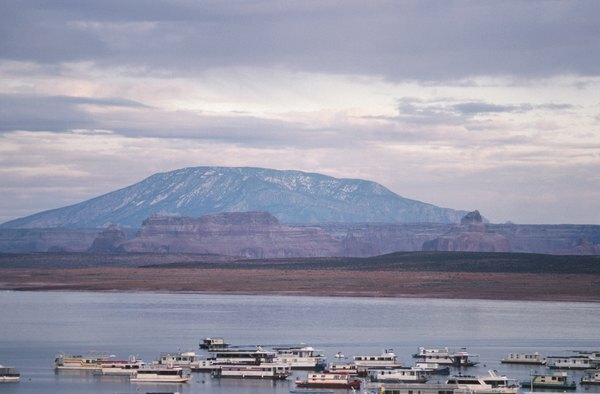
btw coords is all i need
(293, 197)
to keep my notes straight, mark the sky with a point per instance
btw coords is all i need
(488, 105)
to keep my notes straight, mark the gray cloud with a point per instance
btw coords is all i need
(426, 40)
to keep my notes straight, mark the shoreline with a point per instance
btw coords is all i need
(319, 283)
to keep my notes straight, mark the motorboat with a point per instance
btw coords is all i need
(592, 377)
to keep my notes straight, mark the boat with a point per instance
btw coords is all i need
(592, 377)
(276, 371)
(256, 356)
(329, 380)
(524, 358)
(398, 375)
(557, 380)
(9, 375)
(434, 368)
(80, 363)
(183, 359)
(492, 383)
(445, 356)
(161, 374)
(299, 357)
(212, 344)
(572, 362)
(120, 367)
(386, 359)
(344, 369)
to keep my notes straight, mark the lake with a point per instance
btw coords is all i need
(36, 326)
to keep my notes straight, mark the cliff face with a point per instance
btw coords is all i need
(259, 234)
(247, 235)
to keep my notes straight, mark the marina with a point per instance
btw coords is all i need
(400, 324)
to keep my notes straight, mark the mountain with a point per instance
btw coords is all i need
(293, 197)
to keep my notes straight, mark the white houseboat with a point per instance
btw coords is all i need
(592, 377)
(329, 380)
(274, 371)
(445, 356)
(524, 358)
(557, 380)
(183, 359)
(399, 375)
(572, 362)
(493, 383)
(256, 356)
(387, 359)
(80, 362)
(299, 357)
(212, 344)
(433, 368)
(161, 374)
(9, 375)
(345, 369)
(120, 367)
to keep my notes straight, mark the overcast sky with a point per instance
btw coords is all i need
(489, 105)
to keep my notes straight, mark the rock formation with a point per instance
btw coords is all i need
(470, 236)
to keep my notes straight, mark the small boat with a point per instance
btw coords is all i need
(524, 358)
(492, 383)
(80, 363)
(445, 356)
(120, 367)
(339, 355)
(9, 375)
(299, 357)
(211, 344)
(258, 371)
(329, 380)
(557, 380)
(398, 375)
(161, 374)
(592, 377)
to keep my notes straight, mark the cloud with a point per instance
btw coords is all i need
(428, 40)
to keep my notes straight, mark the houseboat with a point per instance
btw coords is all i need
(445, 356)
(557, 380)
(329, 380)
(256, 356)
(592, 377)
(398, 375)
(183, 359)
(492, 383)
(524, 358)
(120, 367)
(161, 374)
(299, 357)
(80, 362)
(9, 375)
(572, 362)
(344, 369)
(212, 344)
(276, 371)
(386, 359)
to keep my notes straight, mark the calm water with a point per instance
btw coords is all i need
(36, 326)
